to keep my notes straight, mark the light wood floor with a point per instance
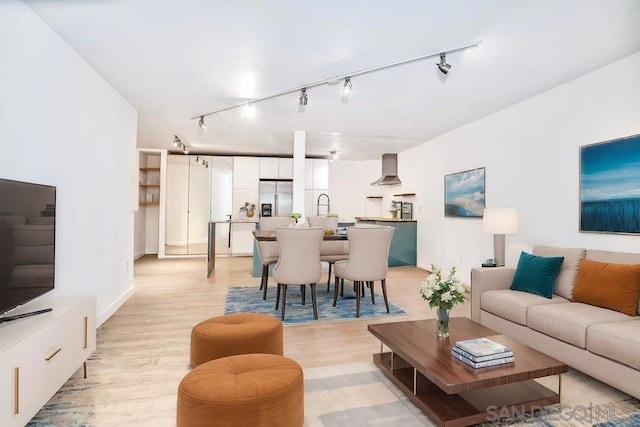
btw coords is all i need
(143, 349)
(180, 289)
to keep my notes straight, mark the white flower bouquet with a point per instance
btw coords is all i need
(442, 293)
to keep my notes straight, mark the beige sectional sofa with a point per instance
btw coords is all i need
(600, 342)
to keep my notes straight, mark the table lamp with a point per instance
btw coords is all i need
(500, 222)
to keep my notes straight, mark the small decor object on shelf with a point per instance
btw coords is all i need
(482, 353)
(443, 294)
(296, 216)
(249, 209)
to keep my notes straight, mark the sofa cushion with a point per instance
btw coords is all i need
(613, 286)
(536, 274)
(569, 322)
(567, 276)
(619, 341)
(512, 305)
(616, 257)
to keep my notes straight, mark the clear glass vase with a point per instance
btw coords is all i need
(442, 323)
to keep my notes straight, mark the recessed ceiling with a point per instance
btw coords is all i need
(178, 59)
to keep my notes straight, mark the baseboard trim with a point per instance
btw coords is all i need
(102, 317)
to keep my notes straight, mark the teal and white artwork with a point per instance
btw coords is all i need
(464, 194)
(610, 186)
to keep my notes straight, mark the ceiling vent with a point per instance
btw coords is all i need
(389, 171)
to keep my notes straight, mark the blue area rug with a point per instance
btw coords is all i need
(249, 299)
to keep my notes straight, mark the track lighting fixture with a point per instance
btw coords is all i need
(179, 145)
(202, 124)
(442, 65)
(303, 96)
(347, 87)
(332, 157)
(202, 162)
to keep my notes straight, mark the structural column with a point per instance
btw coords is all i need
(299, 154)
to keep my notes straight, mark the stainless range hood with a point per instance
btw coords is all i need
(389, 171)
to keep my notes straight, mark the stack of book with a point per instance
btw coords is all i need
(481, 353)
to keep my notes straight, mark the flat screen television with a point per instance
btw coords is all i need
(27, 242)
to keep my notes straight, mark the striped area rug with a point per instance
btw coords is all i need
(358, 394)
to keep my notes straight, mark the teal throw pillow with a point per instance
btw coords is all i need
(536, 274)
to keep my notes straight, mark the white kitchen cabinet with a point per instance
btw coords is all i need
(276, 168)
(285, 168)
(246, 172)
(320, 174)
(269, 168)
(39, 354)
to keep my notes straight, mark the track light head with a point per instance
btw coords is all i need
(442, 65)
(348, 87)
(202, 124)
(303, 97)
(332, 156)
(249, 110)
(176, 141)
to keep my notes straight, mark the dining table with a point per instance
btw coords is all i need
(270, 236)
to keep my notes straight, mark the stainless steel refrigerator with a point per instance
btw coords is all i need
(276, 197)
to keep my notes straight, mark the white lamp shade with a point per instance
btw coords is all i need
(500, 221)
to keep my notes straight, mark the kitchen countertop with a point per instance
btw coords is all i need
(235, 221)
(381, 219)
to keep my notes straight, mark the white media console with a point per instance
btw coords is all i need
(39, 354)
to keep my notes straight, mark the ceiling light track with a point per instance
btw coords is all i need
(334, 80)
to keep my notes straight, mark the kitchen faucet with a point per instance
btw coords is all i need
(328, 204)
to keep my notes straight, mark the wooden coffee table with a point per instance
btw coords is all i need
(451, 393)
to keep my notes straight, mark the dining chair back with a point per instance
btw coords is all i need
(331, 250)
(268, 251)
(367, 263)
(298, 263)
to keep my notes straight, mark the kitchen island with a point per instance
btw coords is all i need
(239, 239)
(403, 248)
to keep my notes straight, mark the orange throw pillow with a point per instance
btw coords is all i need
(613, 286)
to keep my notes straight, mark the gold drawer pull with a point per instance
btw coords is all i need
(86, 332)
(16, 408)
(51, 356)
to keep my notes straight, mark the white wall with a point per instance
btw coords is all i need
(530, 152)
(349, 186)
(62, 124)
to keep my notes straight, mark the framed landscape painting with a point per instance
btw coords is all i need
(464, 194)
(610, 186)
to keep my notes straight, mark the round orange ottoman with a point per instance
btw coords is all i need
(232, 334)
(244, 390)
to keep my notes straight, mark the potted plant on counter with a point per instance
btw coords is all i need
(249, 209)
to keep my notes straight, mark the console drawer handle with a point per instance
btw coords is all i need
(52, 355)
(16, 408)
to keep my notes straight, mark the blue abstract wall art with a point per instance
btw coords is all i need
(610, 186)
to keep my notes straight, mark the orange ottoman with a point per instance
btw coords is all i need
(232, 334)
(244, 390)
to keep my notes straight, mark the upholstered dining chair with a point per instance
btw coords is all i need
(331, 250)
(268, 251)
(367, 263)
(298, 263)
